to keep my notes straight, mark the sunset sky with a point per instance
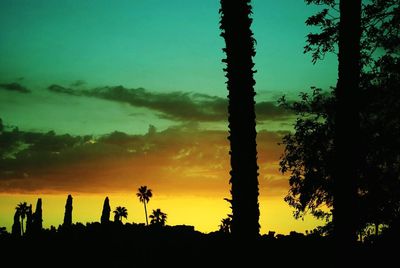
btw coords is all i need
(111, 95)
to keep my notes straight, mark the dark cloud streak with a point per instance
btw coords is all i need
(16, 87)
(176, 106)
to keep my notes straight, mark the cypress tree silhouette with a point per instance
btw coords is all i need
(68, 212)
(235, 29)
(16, 227)
(105, 215)
(346, 149)
(37, 217)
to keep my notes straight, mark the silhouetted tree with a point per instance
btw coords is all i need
(119, 213)
(105, 215)
(158, 217)
(144, 194)
(16, 227)
(68, 212)
(29, 220)
(225, 225)
(235, 29)
(37, 217)
(346, 147)
(22, 209)
(379, 25)
(309, 151)
(308, 154)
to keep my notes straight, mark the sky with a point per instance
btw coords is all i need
(100, 97)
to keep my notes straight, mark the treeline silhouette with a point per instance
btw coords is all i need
(114, 243)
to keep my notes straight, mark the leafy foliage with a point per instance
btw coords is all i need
(308, 151)
(158, 217)
(304, 157)
(381, 34)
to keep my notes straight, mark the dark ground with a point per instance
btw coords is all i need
(111, 245)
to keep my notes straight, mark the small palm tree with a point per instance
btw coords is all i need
(158, 217)
(144, 194)
(119, 213)
(225, 225)
(23, 210)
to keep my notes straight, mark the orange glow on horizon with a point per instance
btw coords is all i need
(188, 174)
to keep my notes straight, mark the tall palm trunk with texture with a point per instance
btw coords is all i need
(239, 41)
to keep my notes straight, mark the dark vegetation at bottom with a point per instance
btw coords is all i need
(131, 245)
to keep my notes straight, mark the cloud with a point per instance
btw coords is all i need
(78, 83)
(60, 89)
(268, 110)
(176, 106)
(15, 87)
(180, 159)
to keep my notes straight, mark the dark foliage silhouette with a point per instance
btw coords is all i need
(158, 218)
(379, 25)
(144, 194)
(22, 209)
(235, 29)
(68, 212)
(3, 231)
(37, 223)
(378, 33)
(119, 213)
(308, 151)
(16, 227)
(225, 225)
(105, 214)
(29, 220)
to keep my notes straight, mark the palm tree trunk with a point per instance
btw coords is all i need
(22, 226)
(235, 26)
(145, 213)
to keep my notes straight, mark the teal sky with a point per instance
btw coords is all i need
(162, 46)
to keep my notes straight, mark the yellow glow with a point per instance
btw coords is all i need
(205, 213)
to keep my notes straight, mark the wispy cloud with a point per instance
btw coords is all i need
(177, 106)
(14, 87)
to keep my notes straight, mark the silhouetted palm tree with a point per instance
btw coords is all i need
(158, 217)
(235, 25)
(23, 210)
(225, 225)
(144, 195)
(119, 213)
